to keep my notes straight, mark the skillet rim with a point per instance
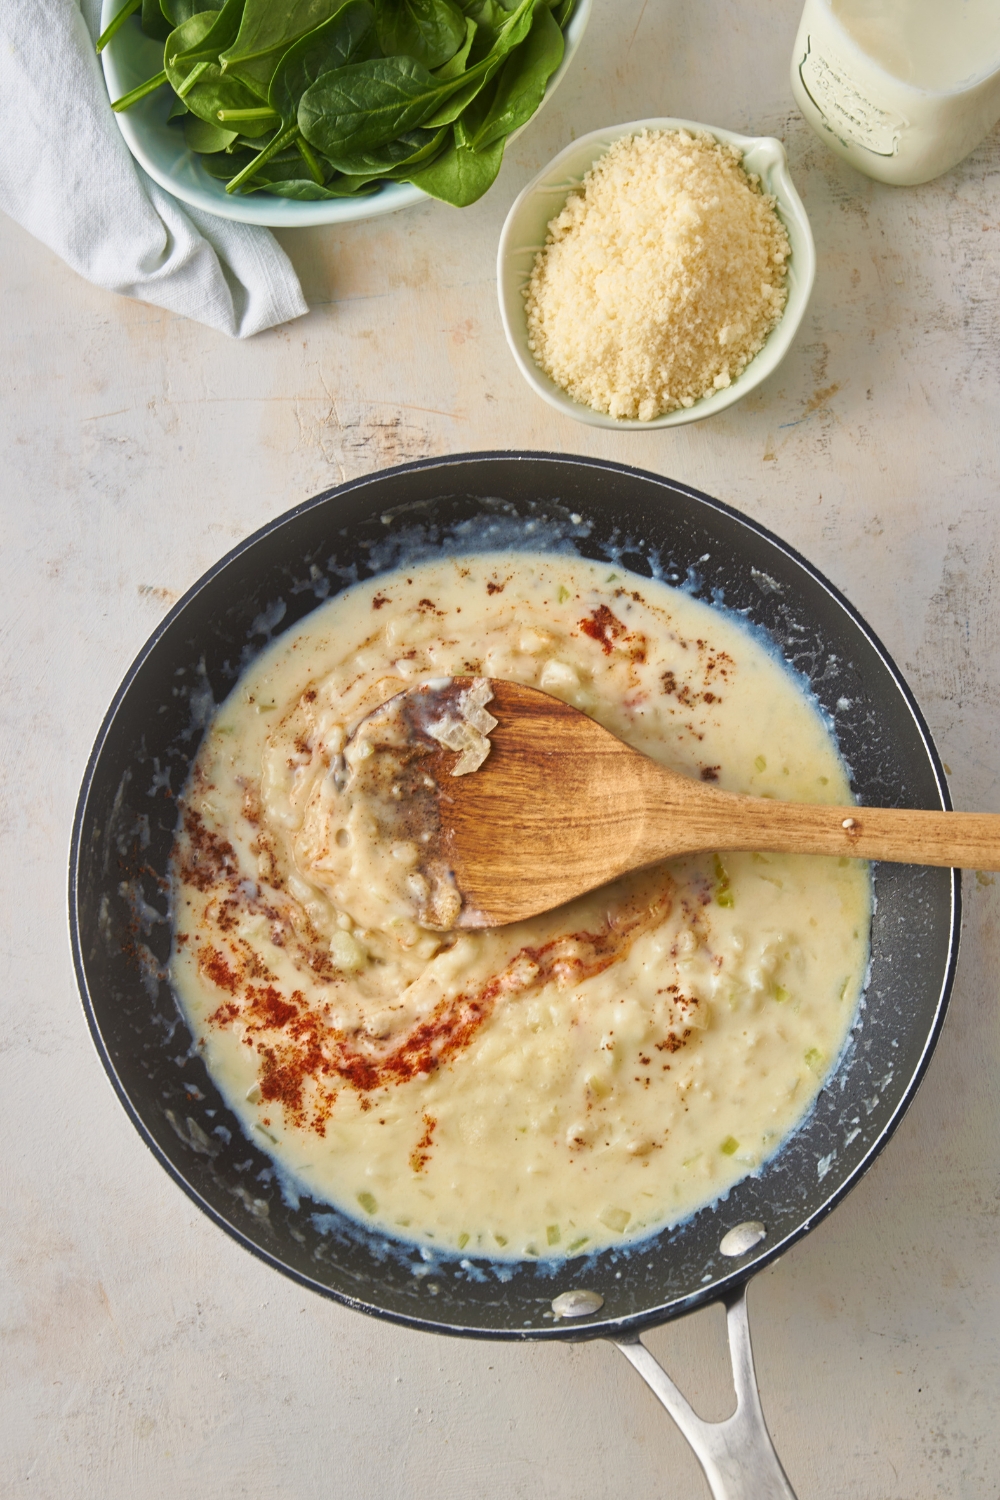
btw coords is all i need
(720, 1290)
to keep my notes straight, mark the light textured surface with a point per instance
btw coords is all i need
(144, 1354)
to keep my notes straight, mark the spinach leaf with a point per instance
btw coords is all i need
(456, 65)
(431, 31)
(522, 81)
(154, 22)
(406, 150)
(460, 176)
(221, 165)
(202, 136)
(348, 34)
(280, 141)
(562, 12)
(310, 192)
(459, 97)
(489, 13)
(225, 164)
(348, 37)
(268, 29)
(514, 30)
(202, 85)
(490, 17)
(278, 171)
(221, 34)
(185, 39)
(471, 119)
(368, 104)
(284, 168)
(177, 11)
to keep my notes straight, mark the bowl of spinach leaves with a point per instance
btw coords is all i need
(295, 112)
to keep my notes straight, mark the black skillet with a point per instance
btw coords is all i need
(125, 825)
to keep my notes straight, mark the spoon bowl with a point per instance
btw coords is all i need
(554, 805)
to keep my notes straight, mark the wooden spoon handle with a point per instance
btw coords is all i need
(963, 840)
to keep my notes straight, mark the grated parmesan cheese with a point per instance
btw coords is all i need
(661, 277)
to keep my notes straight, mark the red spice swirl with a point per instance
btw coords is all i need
(305, 1060)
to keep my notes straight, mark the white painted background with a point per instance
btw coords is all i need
(143, 1353)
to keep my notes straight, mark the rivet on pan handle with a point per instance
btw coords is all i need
(737, 1455)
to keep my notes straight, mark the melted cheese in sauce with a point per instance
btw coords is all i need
(551, 1087)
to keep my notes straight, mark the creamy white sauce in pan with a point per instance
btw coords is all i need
(551, 1087)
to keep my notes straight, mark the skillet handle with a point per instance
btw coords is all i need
(737, 1455)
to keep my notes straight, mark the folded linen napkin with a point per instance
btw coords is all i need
(68, 177)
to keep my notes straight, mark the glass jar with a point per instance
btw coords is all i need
(902, 89)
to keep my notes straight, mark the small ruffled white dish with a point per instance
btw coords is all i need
(130, 58)
(523, 235)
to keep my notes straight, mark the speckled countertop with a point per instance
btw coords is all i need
(144, 1353)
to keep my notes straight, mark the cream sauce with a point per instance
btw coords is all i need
(561, 1084)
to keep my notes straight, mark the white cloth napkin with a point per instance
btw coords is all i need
(67, 176)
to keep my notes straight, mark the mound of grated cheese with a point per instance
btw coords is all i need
(661, 277)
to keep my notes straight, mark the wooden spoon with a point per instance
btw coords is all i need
(561, 806)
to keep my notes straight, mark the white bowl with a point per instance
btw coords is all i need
(523, 235)
(130, 58)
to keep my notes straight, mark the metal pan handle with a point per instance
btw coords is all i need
(737, 1455)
